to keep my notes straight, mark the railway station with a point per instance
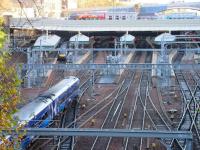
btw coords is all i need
(121, 76)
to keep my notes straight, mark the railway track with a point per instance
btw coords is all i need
(190, 91)
(64, 143)
(145, 115)
(109, 142)
(121, 113)
(113, 107)
(113, 114)
(108, 102)
(127, 110)
(137, 120)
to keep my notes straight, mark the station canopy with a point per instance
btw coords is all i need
(127, 38)
(164, 37)
(79, 38)
(47, 41)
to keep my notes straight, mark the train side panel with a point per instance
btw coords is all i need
(43, 109)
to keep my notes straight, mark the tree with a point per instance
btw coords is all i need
(9, 93)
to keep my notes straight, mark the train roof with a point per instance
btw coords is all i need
(32, 109)
(47, 41)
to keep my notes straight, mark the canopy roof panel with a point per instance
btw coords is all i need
(79, 38)
(127, 38)
(165, 37)
(47, 41)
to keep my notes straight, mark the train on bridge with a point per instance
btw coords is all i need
(131, 13)
(129, 16)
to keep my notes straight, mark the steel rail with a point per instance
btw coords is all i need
(125, 97)
(94, 114)
(196, 107)
(185, 107)
(165, 142)
(131, 118)
(115, 101)
(95, 106)
(188, 110)
(150, 99)
(145, 102)
(139, 97)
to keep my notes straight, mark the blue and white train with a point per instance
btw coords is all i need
(40, 112)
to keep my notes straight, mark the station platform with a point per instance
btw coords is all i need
(115, 77)
(155, 56)
(171, 60)
(157, 73)
(126, 61)
(197, 58)
(154, 61)
(50, 74)
(171, 57)
(83, 58)
(188, 58)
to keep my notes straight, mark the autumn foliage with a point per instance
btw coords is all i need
(9, 93)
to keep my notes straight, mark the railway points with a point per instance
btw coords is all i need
(138, 81)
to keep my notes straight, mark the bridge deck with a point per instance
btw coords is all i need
(107, 25)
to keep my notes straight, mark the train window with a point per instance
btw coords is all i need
(117, 17)
(61, 101)
(123, 17)
(41, 119)
(45, 116)
(110, 17)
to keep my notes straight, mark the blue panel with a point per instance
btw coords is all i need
(61, 107)
(25, 142)
(32, 122)
(44, 123)
(41, 114)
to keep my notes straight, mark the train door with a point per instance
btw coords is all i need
(54, 110)
(51, 111)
